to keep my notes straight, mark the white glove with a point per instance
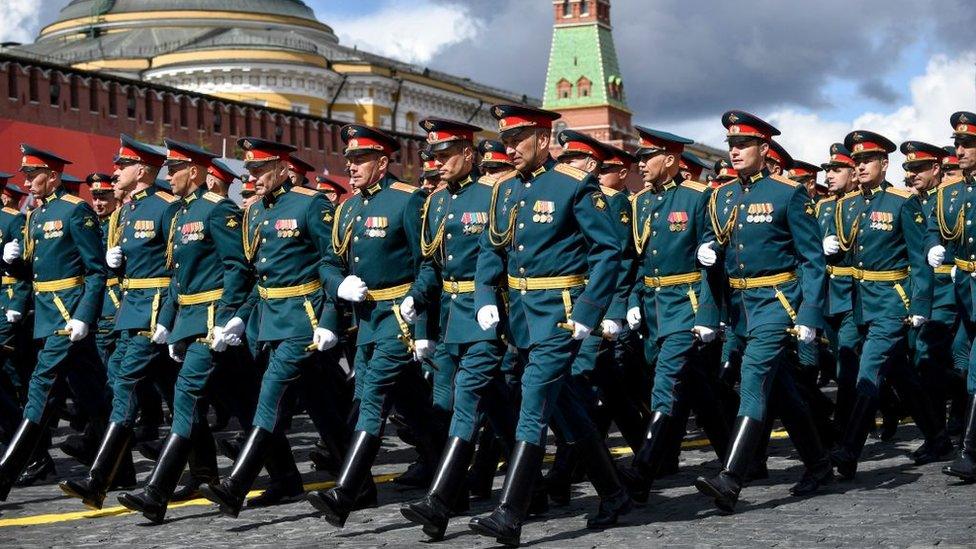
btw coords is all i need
(634, 318)
(706, 255)
(324, 339)
(581, 331)
(177, 351)
(13, 317)
(488, 317)
(233, 331)
(916, 320)
(805, 334)
(936, 255)
(113, 257)
(217, 342)
(952, 273)
(352, 288)
(407, 310)
(611, 328)
(77, 330)
(160, 335)
(422, 348)
(704, 333)
(11, 251)
(831, 245)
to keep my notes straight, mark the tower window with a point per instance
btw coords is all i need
(583, 87)
(567, 9)
(564, 89)
(130, 102)
(148, 104)
(585, 7)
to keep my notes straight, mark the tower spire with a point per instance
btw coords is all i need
(584, 81)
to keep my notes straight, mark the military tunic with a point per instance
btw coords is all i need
(555, 233)
(377, 235)
(211, 280)
(288, 240)
(455, 218)
(142, 230)
(106, 337)
(887, 234)
(770, 247)
(674, 292)
(64, 250)
(955, 214)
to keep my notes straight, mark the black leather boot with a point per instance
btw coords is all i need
(481, 476)
(964, 466)
(846, 455)
(725, 487)
(201, 465)
(152, 501)
(505, 522)
(229, 494)
(937, 445)
(434, 510)
(648, 459)
(285, 484)
(614, 499)
(37, 470)
(558, 481)
(19, 452)
(336, 503)
(91, 491)
(805, 435)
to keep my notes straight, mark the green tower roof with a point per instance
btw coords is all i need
(583, 69)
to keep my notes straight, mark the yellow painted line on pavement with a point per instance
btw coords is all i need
(118, 511)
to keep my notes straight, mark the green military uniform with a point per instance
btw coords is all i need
(557, 251)
(932, 343)
(887, 234)
(770, 249)
(62, 247)
(377, 237)
(955, 214)
(14, 296)
(211, 280)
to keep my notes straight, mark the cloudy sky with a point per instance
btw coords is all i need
(815, 69)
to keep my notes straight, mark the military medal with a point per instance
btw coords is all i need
(543, 211)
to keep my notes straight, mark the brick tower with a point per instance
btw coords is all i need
(583, 82)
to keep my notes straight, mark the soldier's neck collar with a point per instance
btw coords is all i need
(932, 191)
(459, 184)
(55, 194)
(278, 192)
(148, 191)
(750, 179)
(547, 165)
(869, 192)
(199, 192)
(373, 189)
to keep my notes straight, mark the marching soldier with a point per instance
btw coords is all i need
(137, 237)
(62, 247)
(950, 164)
(893, 253)
(12, 196)
(778, 161)
(691, 167)
(220, 177)
(494, 158)
(430, 176)
(14, 302)
(377, 237)
(556, 232)
(210, 282)
(287, 236)
(805, 174)
(298, 171)
(932, 342)
(104, 203)
(247, 188)
(841, 327)
(330, 188)
(764, 229)
(955, 214)
(674, 301)
(455, 217)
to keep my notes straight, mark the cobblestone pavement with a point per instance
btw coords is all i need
(892, 503)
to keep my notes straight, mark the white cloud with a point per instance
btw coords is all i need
(413, 35)
(21, 19)
(946, 86)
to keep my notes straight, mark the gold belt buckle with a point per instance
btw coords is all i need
(523, 284)
(454, 287)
